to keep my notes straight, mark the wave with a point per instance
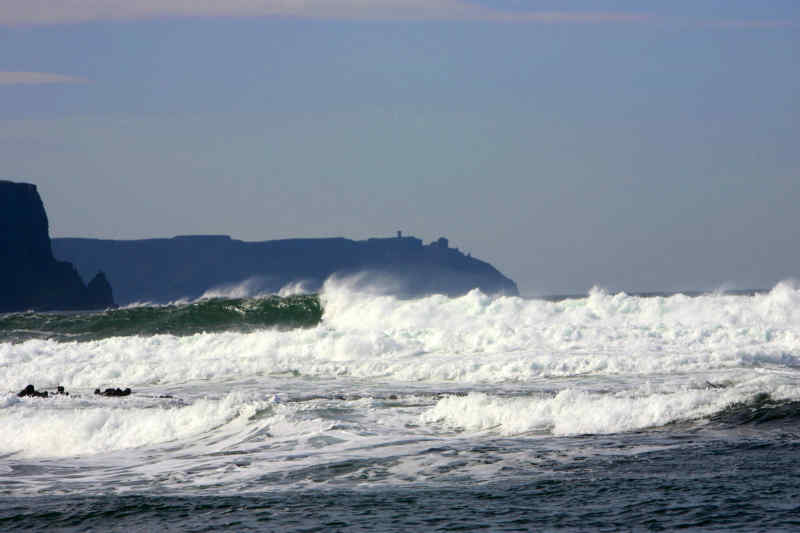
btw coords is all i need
(180, 318)
(471, 339)
(761, 409)
(578, 412)
(77, 426)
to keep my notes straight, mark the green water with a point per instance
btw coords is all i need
(211, 315)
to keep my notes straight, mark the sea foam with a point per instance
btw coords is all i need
(471, 339)
(61, 427)
(574, 412)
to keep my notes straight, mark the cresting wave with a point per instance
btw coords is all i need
(471, 339)
(181, 318)
(577, 412)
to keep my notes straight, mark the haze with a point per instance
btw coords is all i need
(638, 146)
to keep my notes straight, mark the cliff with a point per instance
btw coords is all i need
(30, 277)
(163, 270)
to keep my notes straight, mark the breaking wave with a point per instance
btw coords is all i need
(471, 339)
(576, 412)
(182, 318)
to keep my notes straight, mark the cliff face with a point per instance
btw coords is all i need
(23, 225)
(30, 277)
(163, 270)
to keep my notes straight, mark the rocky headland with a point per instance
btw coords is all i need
(164, 270)
(30, 277)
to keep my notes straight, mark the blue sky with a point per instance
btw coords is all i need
(631, 145)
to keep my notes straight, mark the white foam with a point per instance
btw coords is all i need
(573, 412)
(471, 339)
(60, 427)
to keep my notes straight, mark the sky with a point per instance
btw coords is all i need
(629, 145)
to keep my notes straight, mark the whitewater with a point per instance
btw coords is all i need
(356, 410)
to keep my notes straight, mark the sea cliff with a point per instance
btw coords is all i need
(164, 270)
(30, 277)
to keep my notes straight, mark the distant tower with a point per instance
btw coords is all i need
(399, 234)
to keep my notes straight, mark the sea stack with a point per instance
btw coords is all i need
(30, 277)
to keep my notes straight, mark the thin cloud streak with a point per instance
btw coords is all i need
(37, 78)
(47, 12)
(752, 24)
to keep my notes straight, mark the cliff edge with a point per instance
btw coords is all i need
(30, 277)
(164, 270)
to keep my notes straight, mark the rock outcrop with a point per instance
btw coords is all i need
(164, 270)
(113, 393)
(99, 291)
(30, 277)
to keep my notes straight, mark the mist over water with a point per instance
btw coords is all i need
(379, 394)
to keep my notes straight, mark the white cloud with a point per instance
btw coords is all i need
(35, 12)
(36, 78)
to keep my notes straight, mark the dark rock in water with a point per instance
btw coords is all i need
(164, 270)
(30, 277)
(31, 391)
(113, 392)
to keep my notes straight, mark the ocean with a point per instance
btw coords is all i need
(356, 411)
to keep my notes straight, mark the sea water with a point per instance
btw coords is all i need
(357, 411)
